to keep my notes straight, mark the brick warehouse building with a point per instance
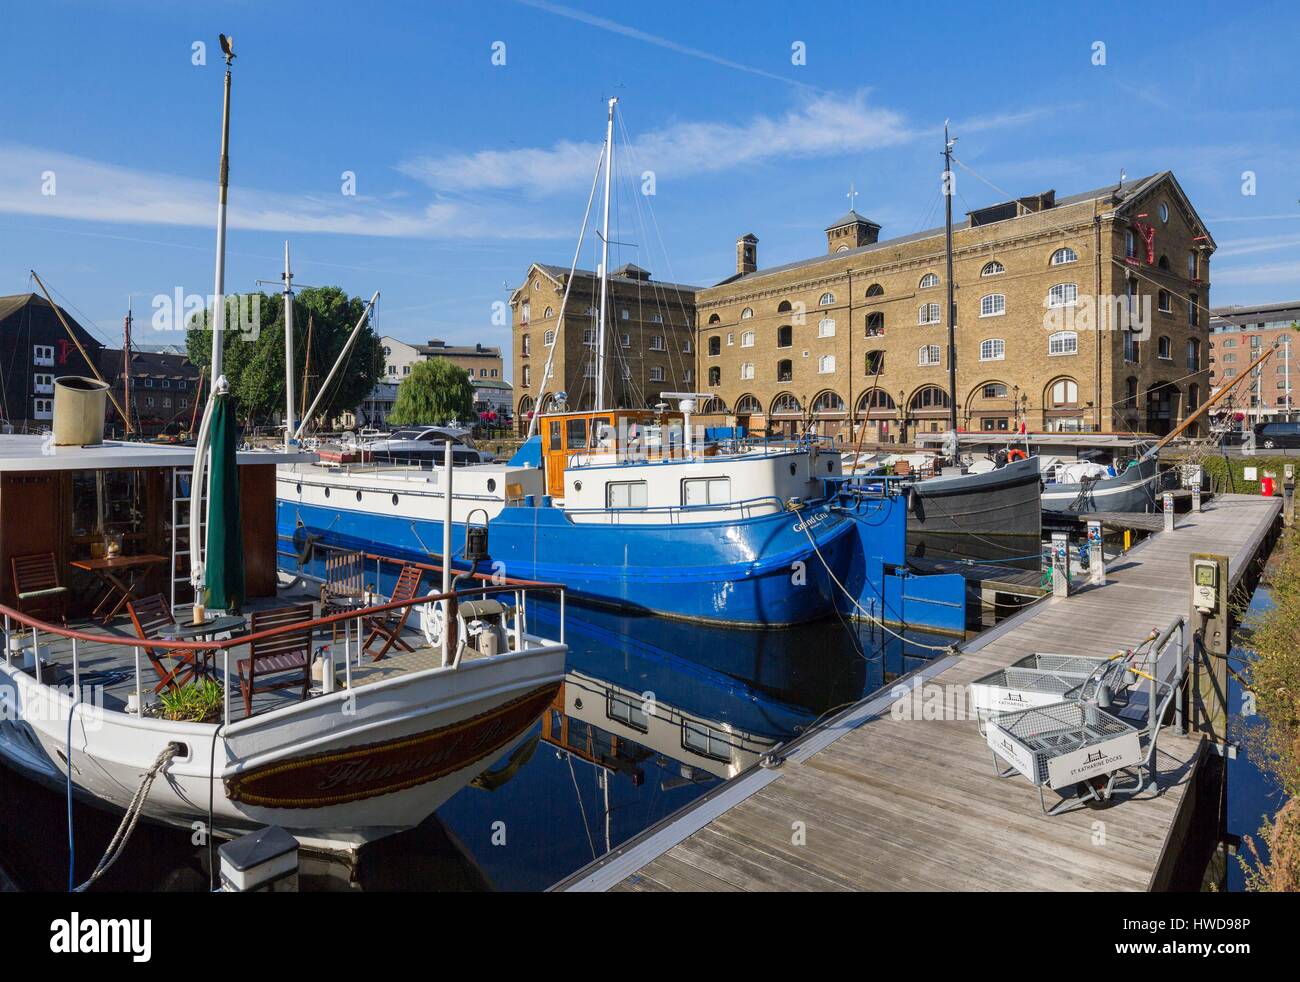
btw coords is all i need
(857, 336)
(649, 348)
(1238, 336)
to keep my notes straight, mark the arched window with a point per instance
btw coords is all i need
(876, 324)
(1064, 393)
(715, 319)
(876, 400)
(929, 398)
(715, 375)
(993, 390)
(1063, 343)
(548, 338)
(875, 290)
(550, 312)
(715, 346)
(994, 305)
(928, 354)
(1164, 262)
(747, 370)
(747, 313)
(928, 281)
(826, 299)
(828, 402)
(785, 370)
(784, 307)
(747, 339)
(714, 405)
(928, 314)
(1064, 255)
(875, 363)
(784, 336)
(1063, 295)
(748, 404)
(992, 268)
(993, 349)
(786, 403)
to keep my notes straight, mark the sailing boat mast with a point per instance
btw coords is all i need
(288, 352)
(126, 369)
(604, 260)
(952, 310)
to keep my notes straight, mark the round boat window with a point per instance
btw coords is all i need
(300, 487)
(492, 484)
(830, 466)
(577, 485)
(792, 470)
(358, 495)
(327, 492)
(394, 499)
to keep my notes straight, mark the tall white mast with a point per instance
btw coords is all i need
(604, 261)
(288, 352)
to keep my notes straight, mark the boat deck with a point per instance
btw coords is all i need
(112, 667)
(874, 801)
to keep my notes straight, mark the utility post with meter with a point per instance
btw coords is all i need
(1211, 635)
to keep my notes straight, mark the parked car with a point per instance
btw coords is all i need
(1277, 435)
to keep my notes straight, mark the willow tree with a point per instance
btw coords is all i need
(437, 392)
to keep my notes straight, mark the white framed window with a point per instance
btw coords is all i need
(686, 346)
(657, 342)
(687, 375)
(625, 340)
(43, 354)
(624, 314)
(928, 281)
(826, 299)
(167, 404)
(42, 384)
(1065, 392)
(1164, 302)
(992, 268)
(826, 328)
(706, 491)
(548, 339)
(1063, 295)
(994, 305)
(656, 318)
(406, 369)
(1130, 243)
(747, 370)
(527, 346)
(747, 313)
(525, 312)
(626, 494)
(928, 314)
(1063, 343)
(42, 409)
(1164, 349)
(656, 373)
(589, 370)
(589, 338)
(528, 375)
(826, 364)
(628, 710)
(993, 349)
(747, 339)
(1064, 255)
(928, 355)
(731, 340)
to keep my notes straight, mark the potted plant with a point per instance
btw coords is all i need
(193, 702)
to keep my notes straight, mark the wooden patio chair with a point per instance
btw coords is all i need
(288, 651)
(37, 586)
(389, 625)
(344, 585)
(151, 616)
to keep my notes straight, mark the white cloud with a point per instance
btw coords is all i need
(91, 190)
(822, 125)
(1271, 274)
(1266, 243)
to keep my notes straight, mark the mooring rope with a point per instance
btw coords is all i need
(129, 820)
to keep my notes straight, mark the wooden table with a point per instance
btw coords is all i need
(231, 624)
(120, 576)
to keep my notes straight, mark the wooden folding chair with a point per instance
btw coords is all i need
(389, 625)
(288, 651)
(344, 585)
(151, 616)
(37, 586)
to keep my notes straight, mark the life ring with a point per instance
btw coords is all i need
(1016, 455)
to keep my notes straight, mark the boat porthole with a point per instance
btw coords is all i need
(577, 485)
(492, 484)
(577, 703)
(327, 492)
(300, 487)
(792, 470)
(830, 466)
(358, 495)
(394, 500)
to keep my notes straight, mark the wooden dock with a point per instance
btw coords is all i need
(871, 802)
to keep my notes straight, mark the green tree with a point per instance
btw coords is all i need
(253, 359)
(437, 391)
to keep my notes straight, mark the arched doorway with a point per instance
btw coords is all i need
(830, 414)
(928, 410)
(877, 411)
(785, 415)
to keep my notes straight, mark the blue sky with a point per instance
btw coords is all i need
(467, 171)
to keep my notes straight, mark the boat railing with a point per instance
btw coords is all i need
(17, 624)
(865, 485)
(747, 507)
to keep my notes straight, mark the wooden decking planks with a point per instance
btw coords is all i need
(889, 803)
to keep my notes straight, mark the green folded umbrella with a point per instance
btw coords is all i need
(224, 557)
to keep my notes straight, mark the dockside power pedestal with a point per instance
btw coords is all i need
(1211, 634)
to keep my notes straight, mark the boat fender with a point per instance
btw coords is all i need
(304, 543)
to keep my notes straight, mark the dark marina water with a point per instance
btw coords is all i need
(587, 777)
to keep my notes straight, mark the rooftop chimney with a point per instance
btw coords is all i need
(747, 253)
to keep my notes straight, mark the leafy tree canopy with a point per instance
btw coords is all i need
(436, 392)
(253, 357)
